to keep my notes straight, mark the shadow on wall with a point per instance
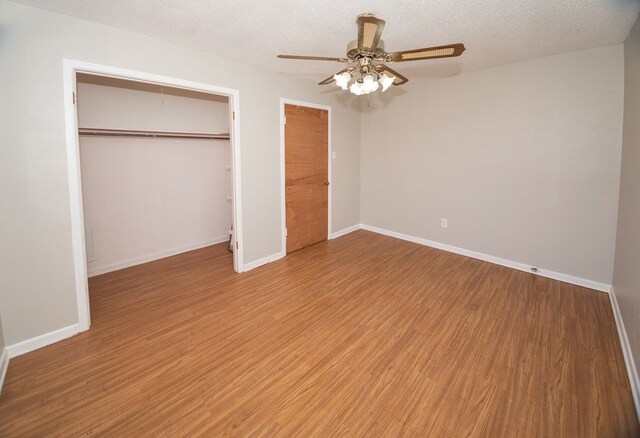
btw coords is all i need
(344, 98)
(364, 103)
(376, 101)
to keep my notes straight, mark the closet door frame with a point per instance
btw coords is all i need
(283, 206)
(70, 69)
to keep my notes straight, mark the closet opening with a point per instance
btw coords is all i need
(153, 172)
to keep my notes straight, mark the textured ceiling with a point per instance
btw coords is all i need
(495, 32)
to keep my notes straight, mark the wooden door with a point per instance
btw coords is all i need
(306, 175)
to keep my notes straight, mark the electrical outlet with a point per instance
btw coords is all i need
(443, 222)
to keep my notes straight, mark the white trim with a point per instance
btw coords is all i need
(345, 231)
(632, 371)
(602, 287)
(70, 68)
(42, 340)
(283, 208)
(4, 365)
(329, 175)
(75, 196)
(263, 261)
(98, 270)
(236, 201)
(283, 205)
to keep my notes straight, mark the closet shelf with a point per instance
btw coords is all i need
(106, 132)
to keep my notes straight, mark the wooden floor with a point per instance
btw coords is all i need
(361, 336)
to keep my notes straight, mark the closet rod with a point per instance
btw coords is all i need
(106, 132)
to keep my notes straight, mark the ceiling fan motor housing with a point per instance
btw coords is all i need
(354, 54)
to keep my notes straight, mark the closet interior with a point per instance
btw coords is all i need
(156, 171)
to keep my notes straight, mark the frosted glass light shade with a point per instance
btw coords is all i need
(385, 81)
(356, 88)
(342, 79)
(369, 83)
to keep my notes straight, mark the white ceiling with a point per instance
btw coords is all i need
(495, 32)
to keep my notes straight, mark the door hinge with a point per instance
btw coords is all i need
(237, 246)
(234, 115)
(75, 101)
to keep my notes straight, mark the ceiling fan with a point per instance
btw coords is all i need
(367, 56)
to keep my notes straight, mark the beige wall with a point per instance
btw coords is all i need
(146, 198)
(113, 103)
(626, 274)
(523, 160)
(37, 291)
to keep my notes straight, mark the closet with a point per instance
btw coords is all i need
(156, 171)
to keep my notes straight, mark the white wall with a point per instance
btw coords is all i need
(37, 290)
(147, 198)
(626, 277)
(523, 160)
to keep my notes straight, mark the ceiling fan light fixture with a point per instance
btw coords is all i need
(342, 79)
(369, 84)
(356, 88)
(385, 81)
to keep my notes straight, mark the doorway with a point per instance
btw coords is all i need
(70, 71)
(306, 168)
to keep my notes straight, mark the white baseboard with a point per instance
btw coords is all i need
(273, 257)
(41, 341)
(98, 270)
(263, 261)
(632, 371)
(4, 365)
(347, 230)
(492, 259)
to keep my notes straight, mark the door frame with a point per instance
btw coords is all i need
(70, 68)
(283, 204)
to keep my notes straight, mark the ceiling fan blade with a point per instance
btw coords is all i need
(398, 79)
(326, 81)
(330, 79)
(313, 58)
(369, 31)
(448, 51)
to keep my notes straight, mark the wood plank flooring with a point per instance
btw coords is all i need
(364, 335)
